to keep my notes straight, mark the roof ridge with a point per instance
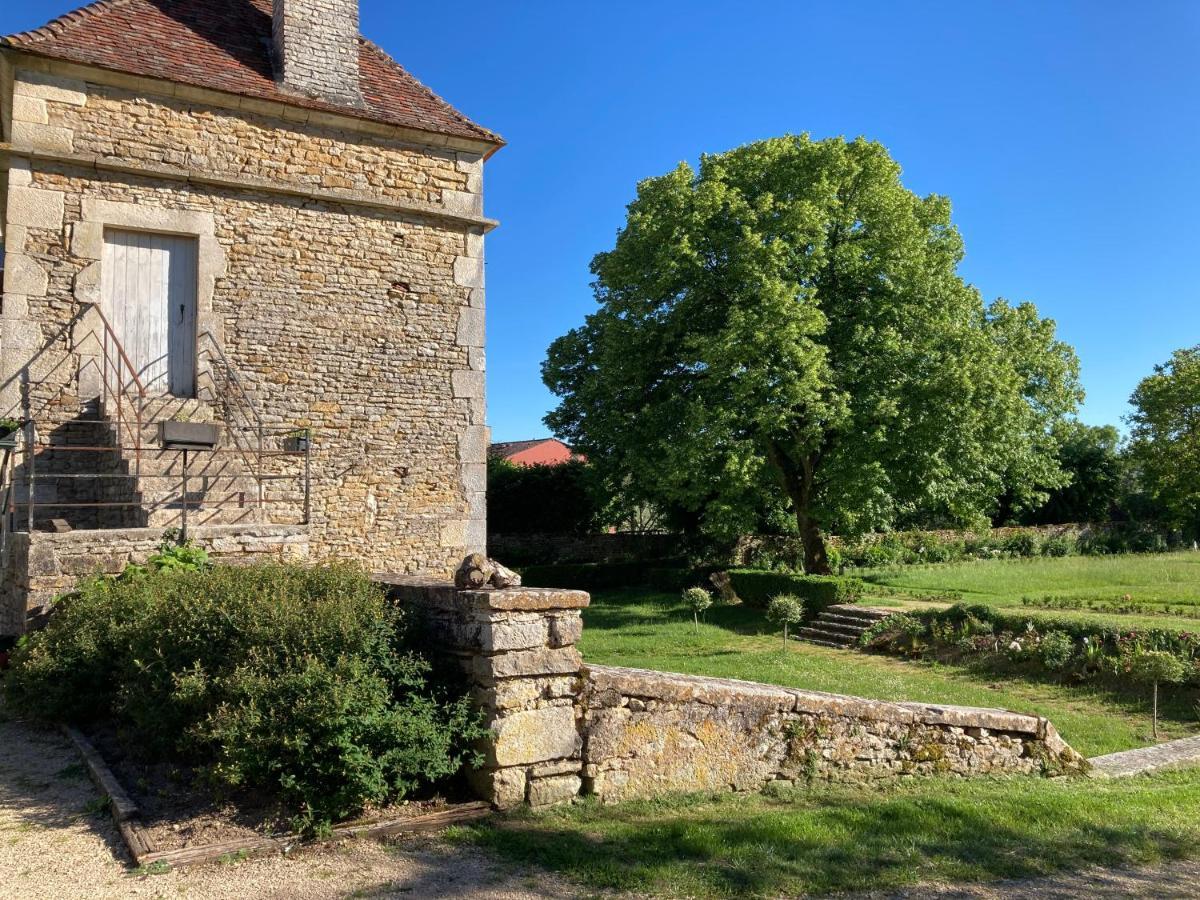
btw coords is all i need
(432, 94)
(58, 25)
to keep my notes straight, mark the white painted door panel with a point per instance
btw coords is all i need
(148, 287)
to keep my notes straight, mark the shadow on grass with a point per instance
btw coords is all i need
(613, 610)
(838, 842)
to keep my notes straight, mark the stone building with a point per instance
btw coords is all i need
(239, 213)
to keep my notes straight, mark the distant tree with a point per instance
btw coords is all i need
(1165, 438)
(1091, 456)
(787, 328)
(540, 499)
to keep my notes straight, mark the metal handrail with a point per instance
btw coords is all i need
(122, 384)
(246, 406)
(110, 338)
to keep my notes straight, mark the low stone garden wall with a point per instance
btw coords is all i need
(517, 647)
(561, 728)
(40, 566)
(649, 733)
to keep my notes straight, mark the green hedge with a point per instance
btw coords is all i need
(756, 588)
(615, 576)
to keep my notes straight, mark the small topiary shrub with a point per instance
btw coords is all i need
(301, 682)
(1155, 667)
(786, 610)
(697, 600)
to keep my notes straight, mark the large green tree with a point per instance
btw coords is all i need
(1165, 438)
(788, 324)
(1091, 456)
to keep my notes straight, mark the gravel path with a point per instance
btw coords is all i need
(56, 843)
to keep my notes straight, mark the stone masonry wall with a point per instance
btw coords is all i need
(560, 727)
(517, 647)
(124, 124)
(364, 323)
(40, 566)
(650, 733)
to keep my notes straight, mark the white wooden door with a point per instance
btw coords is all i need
(149, 295)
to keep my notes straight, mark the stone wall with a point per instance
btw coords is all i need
(561, 728)
(341, 272)
(650, 733)
(40, 566)
(517, 648)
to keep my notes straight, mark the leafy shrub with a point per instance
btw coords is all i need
(172, 556)
(292, 680)
(1096, 651)
(1057, 546)
(1022, 544)
(818, 592)
(786, 610)
(1056, 650)
(541, 499)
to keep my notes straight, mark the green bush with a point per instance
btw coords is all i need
(295, 681)
(818, 592)
(1076, 647)
(1056, 650)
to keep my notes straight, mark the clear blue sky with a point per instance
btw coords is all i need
(1067, 135)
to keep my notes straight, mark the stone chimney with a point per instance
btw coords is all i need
(316, 49)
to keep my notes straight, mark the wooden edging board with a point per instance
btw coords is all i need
(126, 815)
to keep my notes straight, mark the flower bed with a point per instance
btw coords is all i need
(1077, 650)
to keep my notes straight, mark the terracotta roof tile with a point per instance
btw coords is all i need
(226, 45)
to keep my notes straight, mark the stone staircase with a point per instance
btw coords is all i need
(841, 626)
(221, 488)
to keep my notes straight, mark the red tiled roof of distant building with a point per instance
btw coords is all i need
(546, 452)
(226, 45)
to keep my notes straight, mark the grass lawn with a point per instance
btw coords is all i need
(834, 838)
(654, 631)
(1154, 580)
(841, 838)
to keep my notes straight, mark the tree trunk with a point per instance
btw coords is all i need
(1156, 710)
(785, 635)
(797, 478)
(816, 557)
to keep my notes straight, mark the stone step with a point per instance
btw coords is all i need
(873, 612)
(842, 625)
(820, 643)
(838, 628)
(851, 621)
(819, 634)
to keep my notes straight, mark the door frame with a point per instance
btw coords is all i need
(168, 370)
(87, 243)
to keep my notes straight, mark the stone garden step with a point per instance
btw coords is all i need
(842, 625)
(1171, 755)
(819, 634)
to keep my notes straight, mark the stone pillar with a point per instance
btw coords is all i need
(517, 647)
